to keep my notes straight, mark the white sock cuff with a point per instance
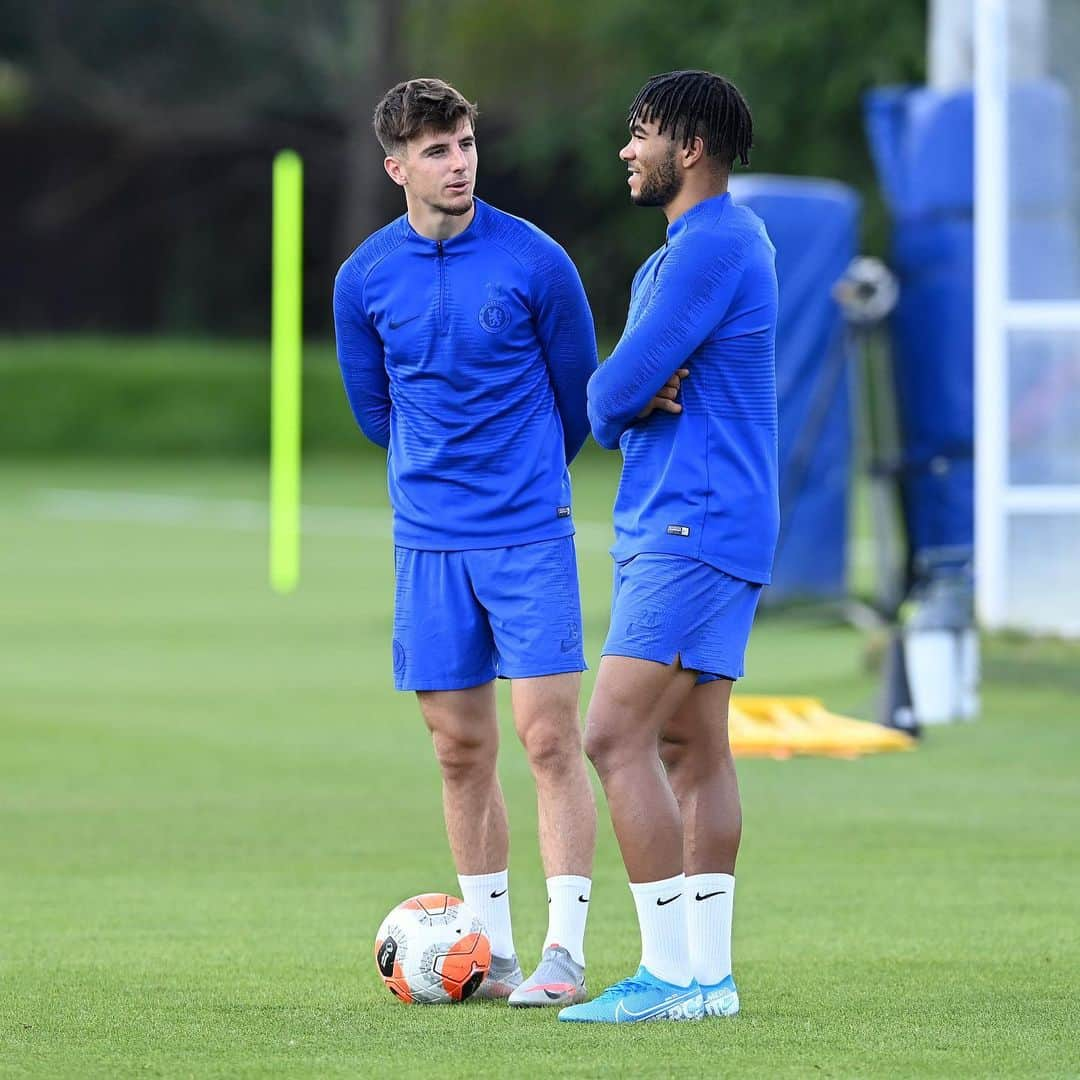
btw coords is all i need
(495, 882)
(571, 882)
(703, 884)
(648, 889)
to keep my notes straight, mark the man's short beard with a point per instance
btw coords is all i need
(454, 211)
(661, 184)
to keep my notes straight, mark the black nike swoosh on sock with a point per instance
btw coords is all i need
(669, 900)
(719, 892)
(583, 899)
(496, 895)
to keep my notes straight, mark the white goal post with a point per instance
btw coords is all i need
(1027, 321)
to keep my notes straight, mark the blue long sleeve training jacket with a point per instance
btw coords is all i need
(702, 483)
(468, 359)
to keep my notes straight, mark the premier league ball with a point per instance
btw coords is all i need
(432, 949)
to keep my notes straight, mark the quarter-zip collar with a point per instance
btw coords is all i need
(462, 239)
(718, 204)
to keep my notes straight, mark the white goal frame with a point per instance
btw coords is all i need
(997, 501)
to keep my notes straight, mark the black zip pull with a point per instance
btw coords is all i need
(442, 288)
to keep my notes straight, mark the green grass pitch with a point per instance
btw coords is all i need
(210, 795)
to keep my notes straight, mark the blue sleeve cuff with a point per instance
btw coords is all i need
(606, 432)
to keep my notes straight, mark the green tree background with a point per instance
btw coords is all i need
(553, 82)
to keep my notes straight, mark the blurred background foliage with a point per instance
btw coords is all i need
(138, 134)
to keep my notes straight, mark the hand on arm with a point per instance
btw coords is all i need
(693, 288)
(666, 395)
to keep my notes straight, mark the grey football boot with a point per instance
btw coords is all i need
(503, 977)
(559, 980)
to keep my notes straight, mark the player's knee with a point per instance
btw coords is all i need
(550, 747)
(464, 758)
(604, 746)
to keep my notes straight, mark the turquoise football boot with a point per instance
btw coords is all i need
(721, 999)
(641, 997)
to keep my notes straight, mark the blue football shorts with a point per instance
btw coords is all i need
(668, 606)
(463, 618)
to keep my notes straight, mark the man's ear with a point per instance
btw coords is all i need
(394, 170)
(694, 152)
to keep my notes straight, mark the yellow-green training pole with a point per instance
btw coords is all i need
(285, 359)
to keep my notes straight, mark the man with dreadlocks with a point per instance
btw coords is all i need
(689, 396)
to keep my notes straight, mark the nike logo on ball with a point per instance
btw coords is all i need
(669, 900)
(719, 892)
(496, 895)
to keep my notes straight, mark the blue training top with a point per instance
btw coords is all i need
(701, 483)
(468, 358)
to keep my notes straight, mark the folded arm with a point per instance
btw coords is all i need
(693, 290)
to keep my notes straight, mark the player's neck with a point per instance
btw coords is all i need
(693, 192)
(434, 224)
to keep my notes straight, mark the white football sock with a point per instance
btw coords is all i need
(661, 910)
(710, 898)
(568, 907)
(488, 895)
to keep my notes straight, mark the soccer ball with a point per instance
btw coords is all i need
(432, 949)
